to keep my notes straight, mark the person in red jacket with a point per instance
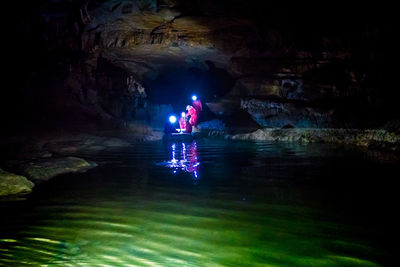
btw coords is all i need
(184, 124)
(193, 115)
(197, 105)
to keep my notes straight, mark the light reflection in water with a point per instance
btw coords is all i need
(184, 158)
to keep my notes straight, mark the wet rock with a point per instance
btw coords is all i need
(12, 184)
(44, 169)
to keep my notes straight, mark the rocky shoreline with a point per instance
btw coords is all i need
(380, 139)
(372, 138)
(38, 159)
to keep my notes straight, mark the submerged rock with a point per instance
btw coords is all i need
(44, 169)
(12, 184)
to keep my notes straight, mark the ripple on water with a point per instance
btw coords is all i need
(159, 220)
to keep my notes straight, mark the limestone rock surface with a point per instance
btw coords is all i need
(12, 184)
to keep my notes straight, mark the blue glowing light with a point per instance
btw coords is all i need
(172, 119)
(194, 97)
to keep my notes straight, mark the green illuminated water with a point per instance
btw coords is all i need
(248, 204)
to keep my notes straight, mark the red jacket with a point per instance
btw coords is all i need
(193, 116)
(197, 106)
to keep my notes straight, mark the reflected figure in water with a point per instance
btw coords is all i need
(183, 158)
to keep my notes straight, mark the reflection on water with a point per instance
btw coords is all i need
(183, 158)
(255, 205)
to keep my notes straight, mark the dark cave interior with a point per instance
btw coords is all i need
(325, 64)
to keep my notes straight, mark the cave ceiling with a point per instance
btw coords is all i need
(144, 39)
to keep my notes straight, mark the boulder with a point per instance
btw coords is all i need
(12, 184)
(44, 169)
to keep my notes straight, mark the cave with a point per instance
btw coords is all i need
(198, 133)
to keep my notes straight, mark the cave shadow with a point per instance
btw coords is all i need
(176, 84)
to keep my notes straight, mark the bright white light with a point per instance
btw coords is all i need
(172, 119)
(194, 98)
(183, 114)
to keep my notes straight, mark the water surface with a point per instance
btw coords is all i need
(210, 203)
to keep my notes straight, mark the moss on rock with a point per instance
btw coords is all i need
(12, 184)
